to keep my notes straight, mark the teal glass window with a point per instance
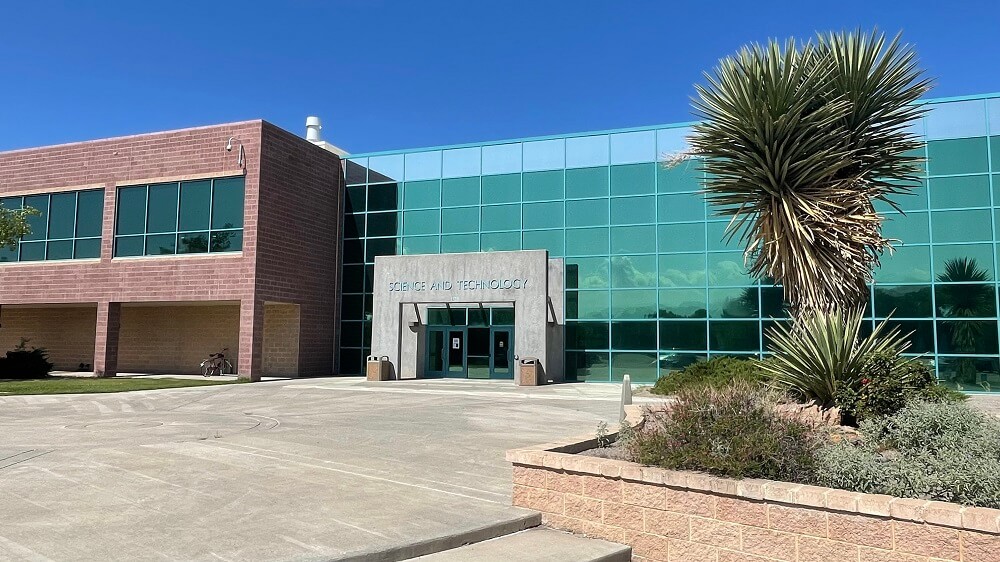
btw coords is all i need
(965, 300)
(911, 228)
(640, 367)
(68, 220)
(587, 241)
(421, 245)
(633, 239)
(683, 303)
(460, 243)
(587, 212)
(635, 303)
(422, 194)
(501, 241)
(682, 270)
(683, 335)
(903, 301)
(982, 254)
(354, 225)
(976, 337)
(504, 188)
(957, 156)
(960, 191)
(583, 152)
(592, 305)
(718, 239)
(734, 303)
(543, 215)
(354, 203)
(962, 226)
(587, 335)
(383, 197)
(682, 177)
(633, 210)
(544, 155)
(462, 162)
(684, 237)
(180, 218)
(734, 335)
(632, 147)
(908, 264)
(589, 366)
(921, 334)
(542, 186)
(914, 199)
(462, 219)
(422, 222)
(587, 273)
(995, 152)
(383, 224)
(551, 240)
(502, 217)
(460, 191)
(633, 179)
(633, 271)
(375, 247)
(727, 269)
(501, 159)
(681, 207)
(587, 182)
(422, 165)
(772, 302)
(633, 335)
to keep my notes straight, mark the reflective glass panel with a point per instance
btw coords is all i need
(981, 253)
(727, 268)
(587, 212)
(383, 224)
(904, 301)
(587, 273)
(462, 162)
(680, 207)
(502, 159)
(462, 219)
(587, 304)
(502, 189)
(542, 186)
(502, 217)
(689, 237)
(355, 171)
(957, 156)
(379, 247)
(733, 303)
(422, 222)
(388, 168)
(192, 243)
(977, 337)
(33, 251)
(633, 179)
(633, 271)
(551, 240)
(37, 223)
(543, 215)
(718, 239)
(960, 191)
(227, 203)
(384, 197)
(353, 278)
(587, 182)
(672, 141)
(354, 225)
(501, 241)
(87, 248)
(685, 176)
(62, 213)
(686, 335)
(633, 335)
(911, 228)
(422, 194)
(162, 209)
(131, 211)
(915, 199)
(682, 270)
(956, 119)
(962, 226)
(582, 366)
(641, 367)
(460, 191)
(908, 264)
(354, 203)
(420, 245)
(582, 152)
(633, 239)
(633, 210)
(226, 241)
(460, 243)
(683, 303)
(965, 300)
(59, 250)
(422, 165)
(772, 302)
(734, 335)
(634, 303)
(587, 335)
(633, 147)
(160, 244)
(544, 155)
(196, 204)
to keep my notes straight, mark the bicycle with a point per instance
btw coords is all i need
(217, 364)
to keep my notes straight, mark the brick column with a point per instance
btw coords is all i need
(109, 323)
(251, 339)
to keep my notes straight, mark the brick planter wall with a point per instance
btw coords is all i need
(683, 516)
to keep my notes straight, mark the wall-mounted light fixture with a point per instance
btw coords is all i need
(242, 154)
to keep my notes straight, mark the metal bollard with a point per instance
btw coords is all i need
(626, 396)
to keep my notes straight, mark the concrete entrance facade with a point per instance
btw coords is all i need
(406, 287)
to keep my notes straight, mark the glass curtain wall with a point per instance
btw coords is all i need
(67, 227)
(651, 283)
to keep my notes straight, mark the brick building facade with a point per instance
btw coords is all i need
(183, 305)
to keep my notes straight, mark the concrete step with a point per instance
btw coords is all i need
(535, 545)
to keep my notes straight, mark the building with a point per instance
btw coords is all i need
(628, 266)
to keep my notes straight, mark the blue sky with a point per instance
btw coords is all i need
(406, 74)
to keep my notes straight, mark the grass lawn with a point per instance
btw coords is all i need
(78, 385)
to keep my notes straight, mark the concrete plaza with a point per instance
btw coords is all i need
(315, 469)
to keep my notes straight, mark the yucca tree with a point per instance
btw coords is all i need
(798, 142)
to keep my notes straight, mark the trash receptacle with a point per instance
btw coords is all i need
(527, 372)
(377, 368)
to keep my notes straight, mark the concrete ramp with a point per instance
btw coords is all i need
(535, 545)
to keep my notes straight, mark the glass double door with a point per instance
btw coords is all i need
(484, 352)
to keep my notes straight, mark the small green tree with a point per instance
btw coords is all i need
(14, 225)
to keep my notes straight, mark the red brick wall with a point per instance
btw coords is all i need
(297, 254)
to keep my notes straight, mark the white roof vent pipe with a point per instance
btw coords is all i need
(313, 128)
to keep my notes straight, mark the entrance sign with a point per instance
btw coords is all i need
(495, 284)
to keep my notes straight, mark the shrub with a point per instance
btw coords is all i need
(731, 431)
(938, 451)
(24, 363)
(822, 350)
(716, 372)
(889, 382)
